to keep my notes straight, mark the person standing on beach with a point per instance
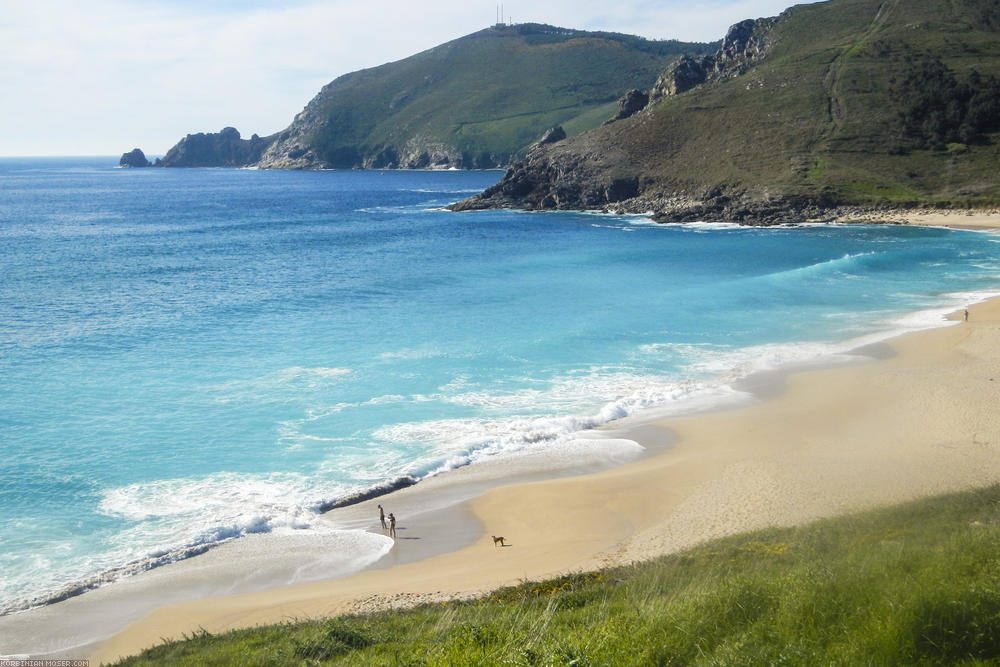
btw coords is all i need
(381, 516)
(392, 526)
(966, 314)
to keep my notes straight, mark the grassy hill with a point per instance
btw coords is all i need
(477, 101)
(868, 102)
(916, 584)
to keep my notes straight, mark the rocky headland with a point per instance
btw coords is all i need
(216, 149)
(829, 111)
(477, 102)
(591, 174)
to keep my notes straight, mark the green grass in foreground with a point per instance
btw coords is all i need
(917, 584)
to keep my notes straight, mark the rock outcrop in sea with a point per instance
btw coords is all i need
(134, 158)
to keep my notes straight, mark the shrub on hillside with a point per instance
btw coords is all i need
(935, 109)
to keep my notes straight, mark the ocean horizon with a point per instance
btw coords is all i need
(191, 356)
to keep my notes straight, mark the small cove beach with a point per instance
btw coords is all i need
(189, 385)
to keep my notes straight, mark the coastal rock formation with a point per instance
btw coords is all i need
(555, 134)
(630, 104)
(216, 149)
(550, 179)
(745, 44)
(683, 76)
(134, 158)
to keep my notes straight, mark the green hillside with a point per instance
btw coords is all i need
(916, 584)
(477, 101)
(864, 102)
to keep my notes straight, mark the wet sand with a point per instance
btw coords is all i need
(920, 421)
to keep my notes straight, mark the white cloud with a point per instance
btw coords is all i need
(104, 76)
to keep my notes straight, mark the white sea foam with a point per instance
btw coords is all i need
(936, 317)
(192, 511)
(408, 209)
(291, 432)
(428, 352)
(730, 364)
(267, 387)
(451, 443)
(292, 557)
(309, 378)
(173, 519)
(734, 364)
(642, 220)
(700, 226)
(296, 372)
(444, 191)
(542, 416)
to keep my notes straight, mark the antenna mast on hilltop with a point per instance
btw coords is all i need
(500, 16)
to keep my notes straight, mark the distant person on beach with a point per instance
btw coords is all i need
(381, 516)
(392, 526)
(966, 314)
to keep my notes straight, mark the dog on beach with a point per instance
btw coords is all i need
(498, 540)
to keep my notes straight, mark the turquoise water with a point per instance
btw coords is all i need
(188, 356)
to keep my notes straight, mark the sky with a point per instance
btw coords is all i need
(101, 77)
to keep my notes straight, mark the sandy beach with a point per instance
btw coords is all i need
(953, 219)
(831, 441)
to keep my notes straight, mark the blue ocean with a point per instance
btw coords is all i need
(192, 355)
